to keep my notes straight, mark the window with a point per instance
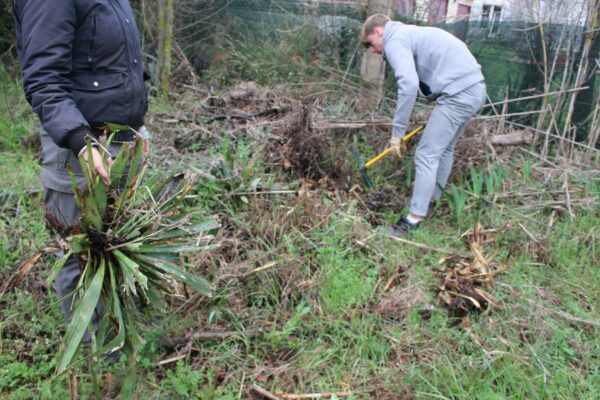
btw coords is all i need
(495, 20)
(490, 18)
(485, 14)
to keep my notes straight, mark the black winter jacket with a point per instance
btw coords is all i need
(81, 65)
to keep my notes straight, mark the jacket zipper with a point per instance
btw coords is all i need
(129, 44)
(92, 48)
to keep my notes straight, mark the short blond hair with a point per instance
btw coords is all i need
(374, 21)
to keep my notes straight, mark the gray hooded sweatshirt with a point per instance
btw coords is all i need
(426, 61)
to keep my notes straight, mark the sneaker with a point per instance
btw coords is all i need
(402, 227)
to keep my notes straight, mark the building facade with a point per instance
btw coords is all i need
(435, 12)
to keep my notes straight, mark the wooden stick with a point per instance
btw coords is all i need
(261, 268)
(419, 245)
(73, 379)
(263, 392)
(321, 395)
(173, 359)
(529, 233)
(206, 336)
(568, 197)
(390, 281)
(502, 116)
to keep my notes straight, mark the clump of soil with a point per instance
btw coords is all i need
(385, 198)
(303, 152)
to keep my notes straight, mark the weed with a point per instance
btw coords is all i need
(494, 179)
(457, 200)
(476, 182)
(527, 170)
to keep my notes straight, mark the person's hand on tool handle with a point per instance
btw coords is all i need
(398, 146)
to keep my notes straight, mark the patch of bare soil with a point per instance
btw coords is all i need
(385, 198)
(402, 294)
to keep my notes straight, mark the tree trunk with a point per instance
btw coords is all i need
(165, 38)
(372, 66)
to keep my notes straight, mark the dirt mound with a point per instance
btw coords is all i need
(306, 153)
(385, 198)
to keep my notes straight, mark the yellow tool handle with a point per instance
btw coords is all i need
(378, 157)
(387, 151)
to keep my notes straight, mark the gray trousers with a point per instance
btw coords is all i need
(435, 152)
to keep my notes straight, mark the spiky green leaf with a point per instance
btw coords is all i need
(81, 319)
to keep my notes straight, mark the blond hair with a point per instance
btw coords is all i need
(374, 21)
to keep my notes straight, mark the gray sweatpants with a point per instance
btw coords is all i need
(435, 152)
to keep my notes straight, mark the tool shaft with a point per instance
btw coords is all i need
(387, 151)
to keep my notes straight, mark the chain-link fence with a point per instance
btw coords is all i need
(510, 52)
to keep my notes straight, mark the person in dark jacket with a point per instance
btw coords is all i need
(81, 69)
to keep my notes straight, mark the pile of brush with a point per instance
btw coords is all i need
(466, 280)
(131, 240)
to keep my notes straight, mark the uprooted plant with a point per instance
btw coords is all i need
(132, 238)
(466, 280)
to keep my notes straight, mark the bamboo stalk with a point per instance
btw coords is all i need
(582, 145)
(537, 96)
(568, 197)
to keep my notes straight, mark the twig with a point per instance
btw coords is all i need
(583, 145)
(390, 281)
(72, 378)
(564, 315)
(172, 359)
(263, 113)
(546, 373)
(261, 268)
(264, 393)
(262, 192)
(206, 336)
(502, 116)
(322, 395)
(529, 233)
(568, 197)
(419, 245)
